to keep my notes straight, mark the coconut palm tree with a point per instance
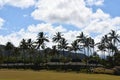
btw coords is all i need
(57, 37)
(92, 45)
(102, 48)
(41, 39)
(24, 46)
(74, 46)
(114, 38)
(81, 40)
(31, 48)
(103, 45)
(63, 44)
(88, 44)
(41, 45)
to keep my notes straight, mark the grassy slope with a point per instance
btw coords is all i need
(51, 75)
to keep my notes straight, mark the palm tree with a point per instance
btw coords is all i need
(92, 45)
(74, 46)
(57, 38)
(105, 42)
(103, 45)
(24, 46)
(102, 48)
(40, 40)
(114, 38)
(81, 40)
(41, 44)
(31, 48)
(63, 44)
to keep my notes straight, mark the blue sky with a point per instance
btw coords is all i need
(19, 18)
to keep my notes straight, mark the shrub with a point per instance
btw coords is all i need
(116, 70)
(101, 70)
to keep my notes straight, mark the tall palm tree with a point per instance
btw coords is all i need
(81, 40)
(41, 45)
(114, 38)
(31, 48)
(57, 37)
(41, 39)
(24, 46)
(88, 44)
(92, 45)
(102, 48)
(63, 44)
(75, 46)
(103, 45)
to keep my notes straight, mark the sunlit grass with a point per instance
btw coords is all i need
(52, 75)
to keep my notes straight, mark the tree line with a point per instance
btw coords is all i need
(37, 52)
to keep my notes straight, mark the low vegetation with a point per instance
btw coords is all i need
(103, 71)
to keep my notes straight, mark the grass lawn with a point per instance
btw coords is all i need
(52, 75)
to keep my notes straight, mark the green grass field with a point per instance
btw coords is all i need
(52, 75)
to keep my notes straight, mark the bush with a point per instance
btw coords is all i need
(101, 70)
(116, 70)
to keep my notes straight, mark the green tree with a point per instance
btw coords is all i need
(103, 45)
(9, 48)
(31, 48)
(41, 39)
(75, 46)
(24, 46)
(81, 41)
(17, 55)
(63, 44)
(57, 37)
(114, 40)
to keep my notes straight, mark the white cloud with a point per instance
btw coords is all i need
(1, 22)
(102, 23)
(45, 28)
(63, 11)
(94, 2)
(76, 13)
(18, 3)
(31, 32)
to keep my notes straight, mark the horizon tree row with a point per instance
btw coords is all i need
(30, 51)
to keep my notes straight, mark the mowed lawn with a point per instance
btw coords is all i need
(52, 75)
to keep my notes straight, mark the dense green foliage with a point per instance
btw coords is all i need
(37, 53)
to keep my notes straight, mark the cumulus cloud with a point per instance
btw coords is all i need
(77, 13)
(102, 23)
(18, 3)
(45, 28)
(62, 11)
(1, 22)
(31, 32)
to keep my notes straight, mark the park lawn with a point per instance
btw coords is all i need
(52, 75)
